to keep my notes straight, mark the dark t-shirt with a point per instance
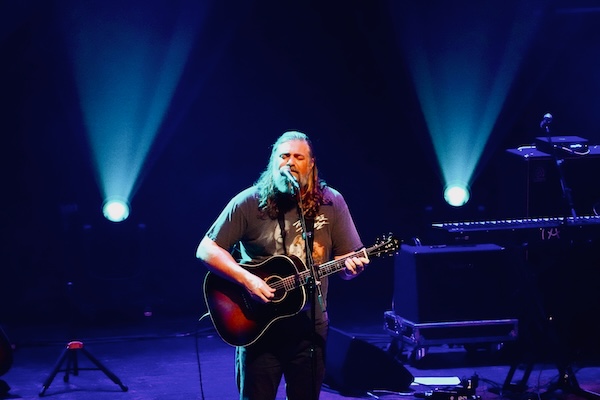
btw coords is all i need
(259, 237)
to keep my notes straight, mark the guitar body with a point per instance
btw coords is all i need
(241, 320)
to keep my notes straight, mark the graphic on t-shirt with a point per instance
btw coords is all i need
(298, 247)
(318, 253)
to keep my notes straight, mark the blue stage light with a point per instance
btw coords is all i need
(115, 209)
(463, 59)
(457, 195)
(127, 64)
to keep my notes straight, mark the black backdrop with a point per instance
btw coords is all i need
(333, 70)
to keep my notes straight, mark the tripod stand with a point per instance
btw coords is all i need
(551, 333)
(71, 350)
(566, 379)
(567, 383)
(69, 355)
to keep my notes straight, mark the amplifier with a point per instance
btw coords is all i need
(454, 283)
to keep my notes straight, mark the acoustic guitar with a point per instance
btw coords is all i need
(240, 321)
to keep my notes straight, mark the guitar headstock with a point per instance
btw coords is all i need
(386, 245)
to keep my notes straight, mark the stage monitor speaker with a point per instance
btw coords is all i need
(354, 366)
(454, 283)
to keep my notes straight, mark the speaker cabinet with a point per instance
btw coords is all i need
(454, 283)
(354, 366)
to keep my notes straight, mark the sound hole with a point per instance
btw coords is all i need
(276, 282)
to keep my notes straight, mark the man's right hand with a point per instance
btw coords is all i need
(258, 288)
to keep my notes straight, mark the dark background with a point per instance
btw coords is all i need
(331, 69)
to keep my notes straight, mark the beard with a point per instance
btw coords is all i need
(283, 185)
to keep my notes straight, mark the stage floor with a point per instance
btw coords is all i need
(184, 359)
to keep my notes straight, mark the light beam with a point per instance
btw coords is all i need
(127, 64)
(463, 58)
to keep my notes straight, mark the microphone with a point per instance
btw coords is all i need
(546, 121)
(287, 172)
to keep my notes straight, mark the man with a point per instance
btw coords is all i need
(267, 219)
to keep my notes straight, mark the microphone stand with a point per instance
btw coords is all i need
(561, 176)
(314, 284)
(566, 381)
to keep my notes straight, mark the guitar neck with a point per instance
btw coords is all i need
(330, 267)
(334, 266)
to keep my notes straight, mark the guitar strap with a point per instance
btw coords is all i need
(283, 233)
(310, 225)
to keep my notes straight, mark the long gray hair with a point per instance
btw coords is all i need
(271, 201)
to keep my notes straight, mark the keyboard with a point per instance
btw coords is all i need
(518, 223)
